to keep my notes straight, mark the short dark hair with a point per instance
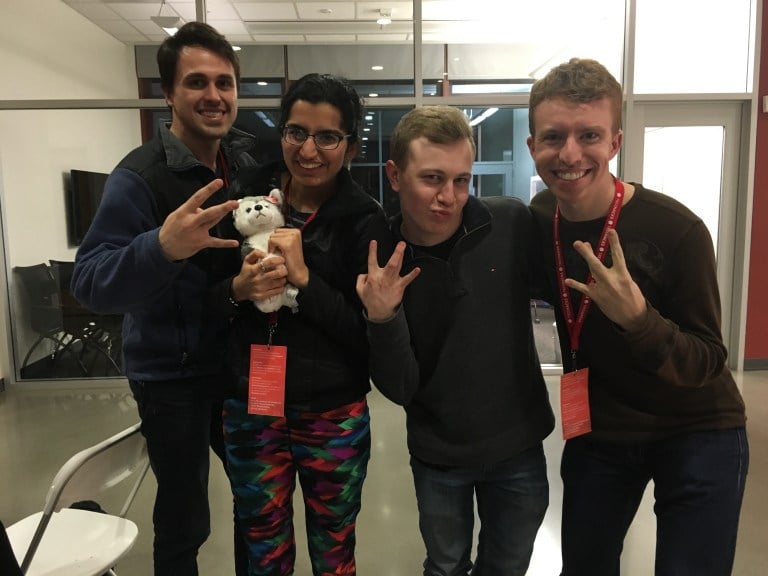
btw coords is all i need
(192, 34)
(579, 80)
(326, 88)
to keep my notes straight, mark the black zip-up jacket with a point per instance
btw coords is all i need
(459, 355)
(327, 363)
(121, 269)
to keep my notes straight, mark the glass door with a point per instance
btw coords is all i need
(691, 152)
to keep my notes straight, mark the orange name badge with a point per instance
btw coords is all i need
(574, 403)
(266, 380)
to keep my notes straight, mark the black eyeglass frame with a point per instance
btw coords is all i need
(294, 130)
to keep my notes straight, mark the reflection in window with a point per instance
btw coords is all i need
(517, 87)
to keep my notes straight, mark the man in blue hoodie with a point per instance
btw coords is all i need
(154, 253)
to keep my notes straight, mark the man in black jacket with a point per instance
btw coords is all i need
(149, 255)
(451, 340)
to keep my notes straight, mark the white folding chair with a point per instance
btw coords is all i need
(63, 541)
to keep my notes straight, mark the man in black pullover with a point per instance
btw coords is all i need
(451, 340)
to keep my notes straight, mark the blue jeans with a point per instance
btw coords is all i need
(699, 484)
(181, 419)
(512, 497)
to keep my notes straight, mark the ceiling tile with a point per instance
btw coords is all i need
(279, 38)
(338, 10)
(376, 38)
(228, 27)
(147, 27)
(118, 27)
(331, 38)
(186, 10)
(266, 10)
(141, 11)
(95, 11)
(236, 38)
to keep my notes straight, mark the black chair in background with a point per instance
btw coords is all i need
(40, 294)
(101, 334)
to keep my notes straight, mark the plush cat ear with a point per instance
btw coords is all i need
(277, 195)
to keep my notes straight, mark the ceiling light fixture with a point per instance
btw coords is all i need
(489, 112)
(170, 24)
(385, 16)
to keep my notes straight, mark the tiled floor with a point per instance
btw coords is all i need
(39, 429)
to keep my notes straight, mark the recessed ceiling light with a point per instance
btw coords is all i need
(366, 129)
(377, 67)
(236, 48)
(373, 94)
(261, 83)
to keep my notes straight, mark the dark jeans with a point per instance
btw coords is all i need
(699, 484)
(180, 420)
(512, 497)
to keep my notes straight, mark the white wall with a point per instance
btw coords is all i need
(49, 51)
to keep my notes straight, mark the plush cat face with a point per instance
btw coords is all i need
(259, 214)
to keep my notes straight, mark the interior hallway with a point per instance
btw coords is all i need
(40, 429)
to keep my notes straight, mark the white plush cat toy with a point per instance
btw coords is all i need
(255, 219)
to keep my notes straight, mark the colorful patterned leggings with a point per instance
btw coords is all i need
(329, 451)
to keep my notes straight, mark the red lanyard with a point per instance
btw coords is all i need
(287, 207)
(575, 325)
(223, 166)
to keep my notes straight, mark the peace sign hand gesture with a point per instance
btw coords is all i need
(612, 289)
(186, 230)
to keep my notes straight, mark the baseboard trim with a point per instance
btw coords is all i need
(756, 364)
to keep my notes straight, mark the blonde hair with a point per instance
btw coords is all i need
(438, 124)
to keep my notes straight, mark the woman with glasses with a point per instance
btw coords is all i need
(302, 374)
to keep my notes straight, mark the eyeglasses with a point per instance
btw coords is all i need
(327, 140)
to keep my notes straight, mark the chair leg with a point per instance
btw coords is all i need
(94, 341)
(60, 346)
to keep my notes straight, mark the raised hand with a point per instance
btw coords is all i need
(381, 289)
(186, 230)
(612, 289)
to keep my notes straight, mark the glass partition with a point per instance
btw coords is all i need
(480, 56)
(681, 48)
(52, 336)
